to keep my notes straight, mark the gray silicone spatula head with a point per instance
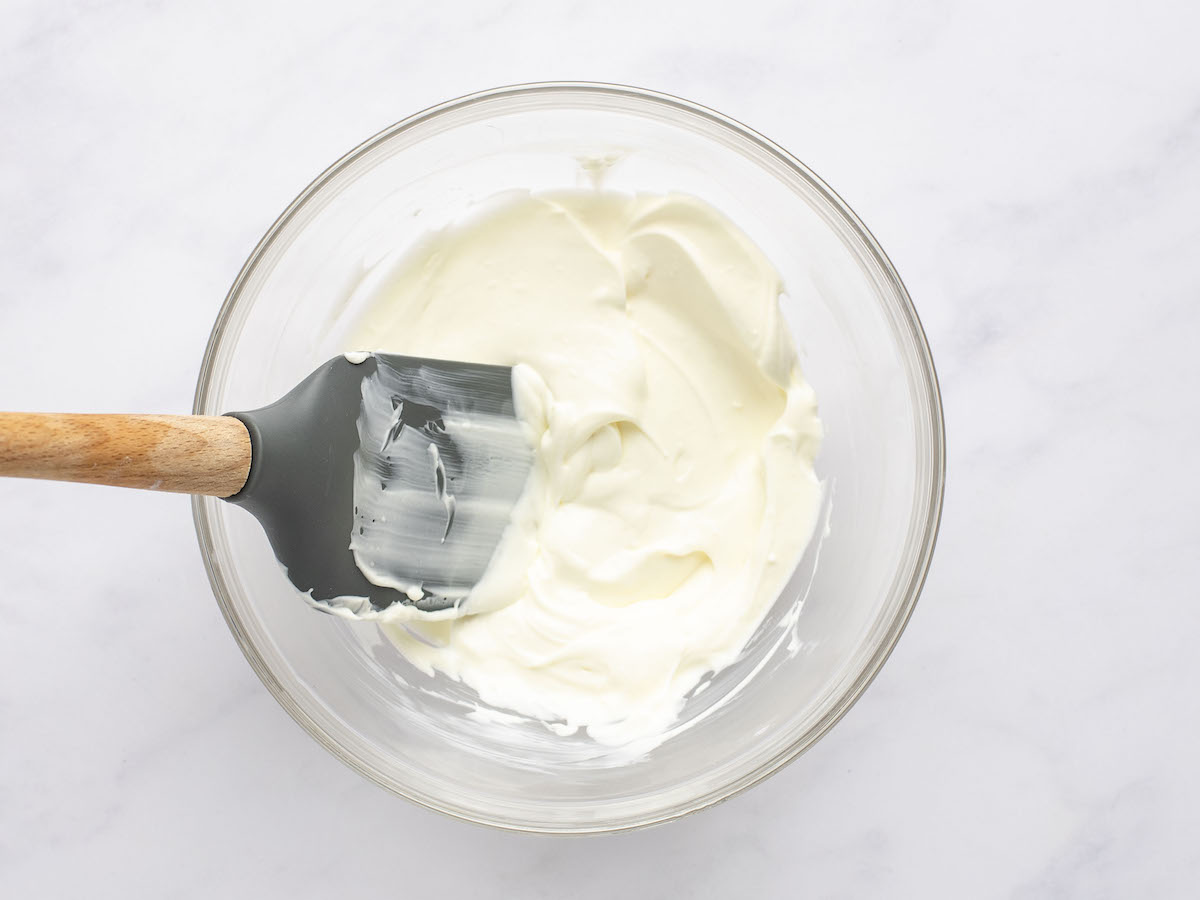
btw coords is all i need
(388, 479)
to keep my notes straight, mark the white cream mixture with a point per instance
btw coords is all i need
(673, 488)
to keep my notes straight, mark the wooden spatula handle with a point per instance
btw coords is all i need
(186, 454)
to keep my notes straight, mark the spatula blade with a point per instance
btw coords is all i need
(388, 480)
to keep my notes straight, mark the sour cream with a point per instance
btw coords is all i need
(673, 488)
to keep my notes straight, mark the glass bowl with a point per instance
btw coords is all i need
(861, 346)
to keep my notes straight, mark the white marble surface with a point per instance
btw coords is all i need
(1032, 167)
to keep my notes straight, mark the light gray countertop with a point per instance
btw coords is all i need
(1032, 168)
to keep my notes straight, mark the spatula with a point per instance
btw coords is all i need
(379, 479)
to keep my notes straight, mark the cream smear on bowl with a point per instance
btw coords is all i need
(673, 489)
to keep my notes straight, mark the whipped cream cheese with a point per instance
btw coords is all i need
(673, 488)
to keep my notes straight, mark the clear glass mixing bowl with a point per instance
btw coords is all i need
(883, 459)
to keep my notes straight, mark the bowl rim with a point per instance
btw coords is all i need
(932, 503)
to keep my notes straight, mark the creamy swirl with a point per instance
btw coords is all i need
(673, 489)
